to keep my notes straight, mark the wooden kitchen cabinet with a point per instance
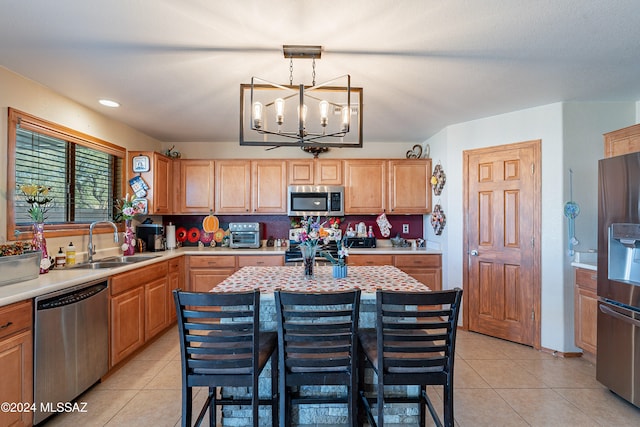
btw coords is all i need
(159, 178)
(586, 311)
(409, 186)
(268, 189)
(251, 186)
(16, 361)
(622, 141)
(176, 281)
(367, 259)
(233, 186)
(260, 260)
(206, 271)
(425, 268)
(365, 184)
(315, 172)
(156, 315)
(127, 324)
(197, 179)
(138, 300)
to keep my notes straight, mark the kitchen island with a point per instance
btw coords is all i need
(269, 279)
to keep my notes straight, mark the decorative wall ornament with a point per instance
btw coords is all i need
(438, 179)
(415, 152)
(438, 219)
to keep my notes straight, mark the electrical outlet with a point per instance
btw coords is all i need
(405, 228)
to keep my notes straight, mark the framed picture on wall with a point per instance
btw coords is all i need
(140, 164)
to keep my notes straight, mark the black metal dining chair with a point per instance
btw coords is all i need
(317, 342)
(221, 346)
(413, 344)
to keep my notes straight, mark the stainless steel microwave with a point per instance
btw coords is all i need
(307, 200)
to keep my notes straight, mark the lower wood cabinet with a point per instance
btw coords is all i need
(425, 268)
(260, 260)
(206, 271)
(363, 259)
(16, 361)
(139, 308)
(176, 281)
(586, 311)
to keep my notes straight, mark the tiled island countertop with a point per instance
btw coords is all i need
(366, 278)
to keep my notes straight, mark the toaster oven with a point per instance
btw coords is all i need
(244, 235)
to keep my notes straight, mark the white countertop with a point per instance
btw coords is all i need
(58, 279)
(585, 265)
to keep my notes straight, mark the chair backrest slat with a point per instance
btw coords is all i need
(416, 330)
(219, 331)
(316, 332)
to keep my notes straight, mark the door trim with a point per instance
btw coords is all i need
(537, 220)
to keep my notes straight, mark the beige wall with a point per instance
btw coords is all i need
(30, 97)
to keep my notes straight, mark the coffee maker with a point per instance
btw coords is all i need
(152, 235)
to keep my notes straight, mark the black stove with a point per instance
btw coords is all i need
(293, 254)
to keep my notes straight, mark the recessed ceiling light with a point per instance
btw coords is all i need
(109, 103)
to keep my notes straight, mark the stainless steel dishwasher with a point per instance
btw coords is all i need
(71, 344)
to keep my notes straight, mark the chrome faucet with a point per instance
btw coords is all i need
(90, 248)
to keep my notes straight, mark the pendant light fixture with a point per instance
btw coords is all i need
(323, 115)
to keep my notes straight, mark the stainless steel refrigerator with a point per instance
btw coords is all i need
(618, 354)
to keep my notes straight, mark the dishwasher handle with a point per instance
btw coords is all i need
(71, 297)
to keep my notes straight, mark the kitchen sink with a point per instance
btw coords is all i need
(128, 258)
(115, 261)
(102, 264)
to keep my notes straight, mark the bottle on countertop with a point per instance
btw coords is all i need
(71, 254)
(61, 258)
(370, 233)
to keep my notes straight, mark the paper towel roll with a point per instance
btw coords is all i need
(171, 236)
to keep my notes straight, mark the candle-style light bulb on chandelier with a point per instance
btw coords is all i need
(324, 115)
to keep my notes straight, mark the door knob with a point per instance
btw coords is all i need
(474, 252)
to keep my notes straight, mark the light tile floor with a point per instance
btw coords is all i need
(497, 383)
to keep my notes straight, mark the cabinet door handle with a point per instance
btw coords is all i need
(594, 277)
(6, 325)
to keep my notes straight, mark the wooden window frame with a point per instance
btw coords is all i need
(35, 124)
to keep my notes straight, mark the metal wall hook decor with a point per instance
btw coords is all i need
(438, 179)
(571, 211)
(438, 219)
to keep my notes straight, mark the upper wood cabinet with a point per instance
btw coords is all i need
(409, 186)
(622, 141)
(158, 178)
(269, 192)
(196, 194)
(315, 172)
(251, 186)
(365, 184)
(233, 186)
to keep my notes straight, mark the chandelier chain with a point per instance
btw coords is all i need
(291, 71)
(313, 72)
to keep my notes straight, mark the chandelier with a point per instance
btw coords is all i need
(328, 114)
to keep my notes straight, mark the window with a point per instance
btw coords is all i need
(85, 175)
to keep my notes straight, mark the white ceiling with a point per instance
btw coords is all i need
(176, 65)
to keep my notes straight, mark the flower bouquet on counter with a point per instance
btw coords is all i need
(128, 207)
(308, 239)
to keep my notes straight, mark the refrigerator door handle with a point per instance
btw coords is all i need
(613, 313)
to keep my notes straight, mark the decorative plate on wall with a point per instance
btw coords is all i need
(438, 219)
(438, 179)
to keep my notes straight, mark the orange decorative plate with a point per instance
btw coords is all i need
(218, 236)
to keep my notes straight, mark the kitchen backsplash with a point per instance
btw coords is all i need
(277, 226)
